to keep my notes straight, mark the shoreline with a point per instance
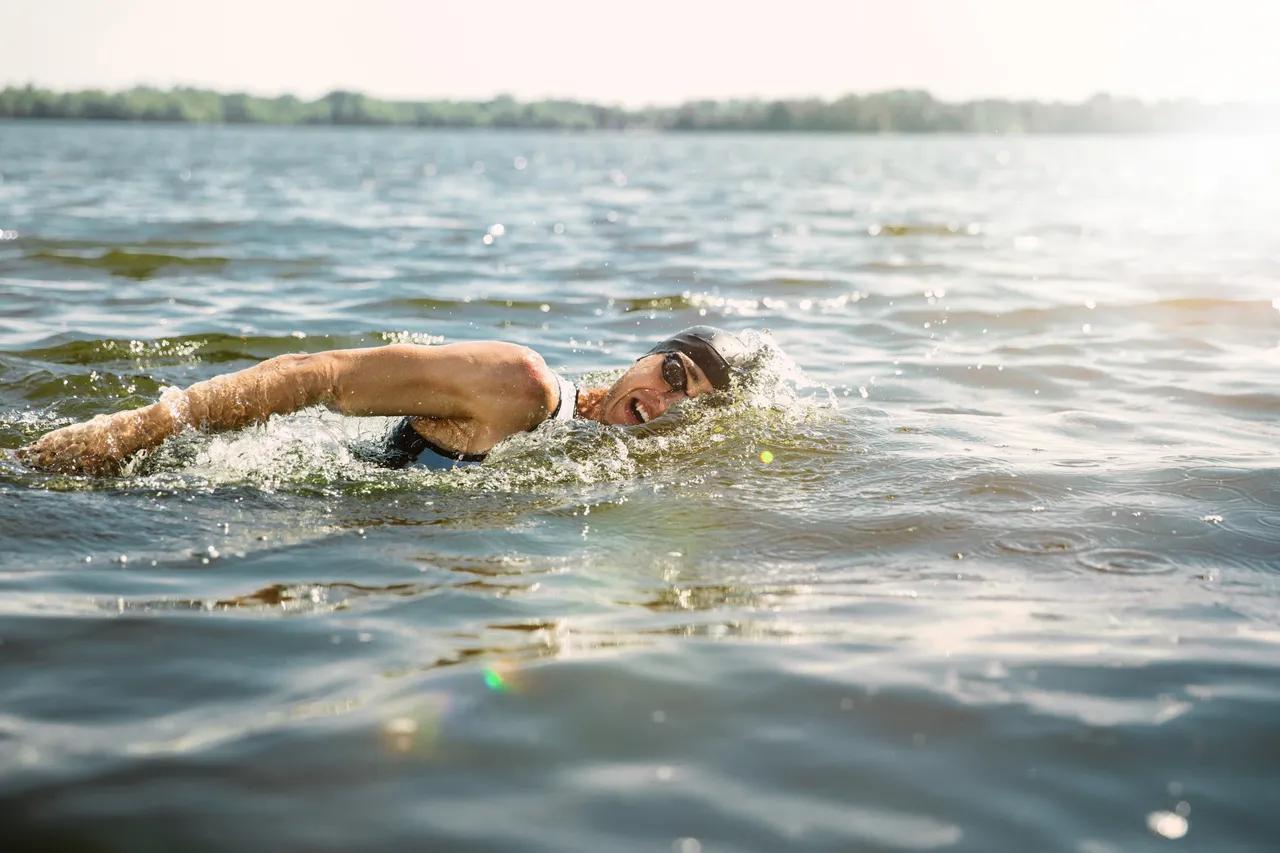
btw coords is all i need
(909, 112)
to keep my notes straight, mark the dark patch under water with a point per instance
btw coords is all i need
(994, 569)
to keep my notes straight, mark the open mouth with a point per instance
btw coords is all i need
(641, 414)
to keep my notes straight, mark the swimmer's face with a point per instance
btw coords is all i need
(652, 385)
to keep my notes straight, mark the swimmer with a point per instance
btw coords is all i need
(455, 401)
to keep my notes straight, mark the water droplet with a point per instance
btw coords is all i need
(1167, 824)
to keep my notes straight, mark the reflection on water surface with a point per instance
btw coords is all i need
(985, 559)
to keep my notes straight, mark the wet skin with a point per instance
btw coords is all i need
(466, 397)
(642, 394)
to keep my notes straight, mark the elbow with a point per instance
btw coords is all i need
(312, 378)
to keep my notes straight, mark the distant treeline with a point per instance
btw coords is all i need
(899, 111)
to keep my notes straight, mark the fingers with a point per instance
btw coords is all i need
(68, 451)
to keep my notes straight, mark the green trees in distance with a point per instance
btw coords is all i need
(899, 111)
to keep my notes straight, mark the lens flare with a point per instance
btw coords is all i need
(766, 456)
(494, 681)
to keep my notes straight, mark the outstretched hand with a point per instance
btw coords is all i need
(99, 447)
(87, 448)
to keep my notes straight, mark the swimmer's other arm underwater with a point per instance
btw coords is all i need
(458, 400)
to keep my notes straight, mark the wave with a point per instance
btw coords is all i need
(187, 349)
(923, 229)
(1185, 311)
(131, 264)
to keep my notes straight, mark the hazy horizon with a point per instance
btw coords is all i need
(638, 107)
(959, 51)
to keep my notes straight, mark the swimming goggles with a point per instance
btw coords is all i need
(674, 373)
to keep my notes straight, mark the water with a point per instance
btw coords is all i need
(1010, 581)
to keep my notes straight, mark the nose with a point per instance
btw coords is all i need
(670, 398)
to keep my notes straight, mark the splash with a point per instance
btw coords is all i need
(316, 450)
(769, 404)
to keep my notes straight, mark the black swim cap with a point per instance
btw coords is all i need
(713, 350)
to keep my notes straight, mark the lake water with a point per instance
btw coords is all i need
(987, 558)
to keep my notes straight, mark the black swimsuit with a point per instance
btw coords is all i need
(405, 446)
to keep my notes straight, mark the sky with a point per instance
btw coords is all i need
(655, 52)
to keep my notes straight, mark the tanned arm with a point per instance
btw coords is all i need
(494, 389)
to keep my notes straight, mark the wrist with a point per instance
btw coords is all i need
(172, 412)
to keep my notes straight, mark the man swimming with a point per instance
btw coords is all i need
(457, 400)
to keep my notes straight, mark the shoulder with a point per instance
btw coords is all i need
(535, 377)
(529, 389)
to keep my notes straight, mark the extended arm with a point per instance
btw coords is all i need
(495, 388)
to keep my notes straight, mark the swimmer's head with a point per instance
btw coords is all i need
(688, 364)
(715, 351)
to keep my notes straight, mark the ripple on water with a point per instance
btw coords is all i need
(994, 493)
(1042, 542)
(1124, 561)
